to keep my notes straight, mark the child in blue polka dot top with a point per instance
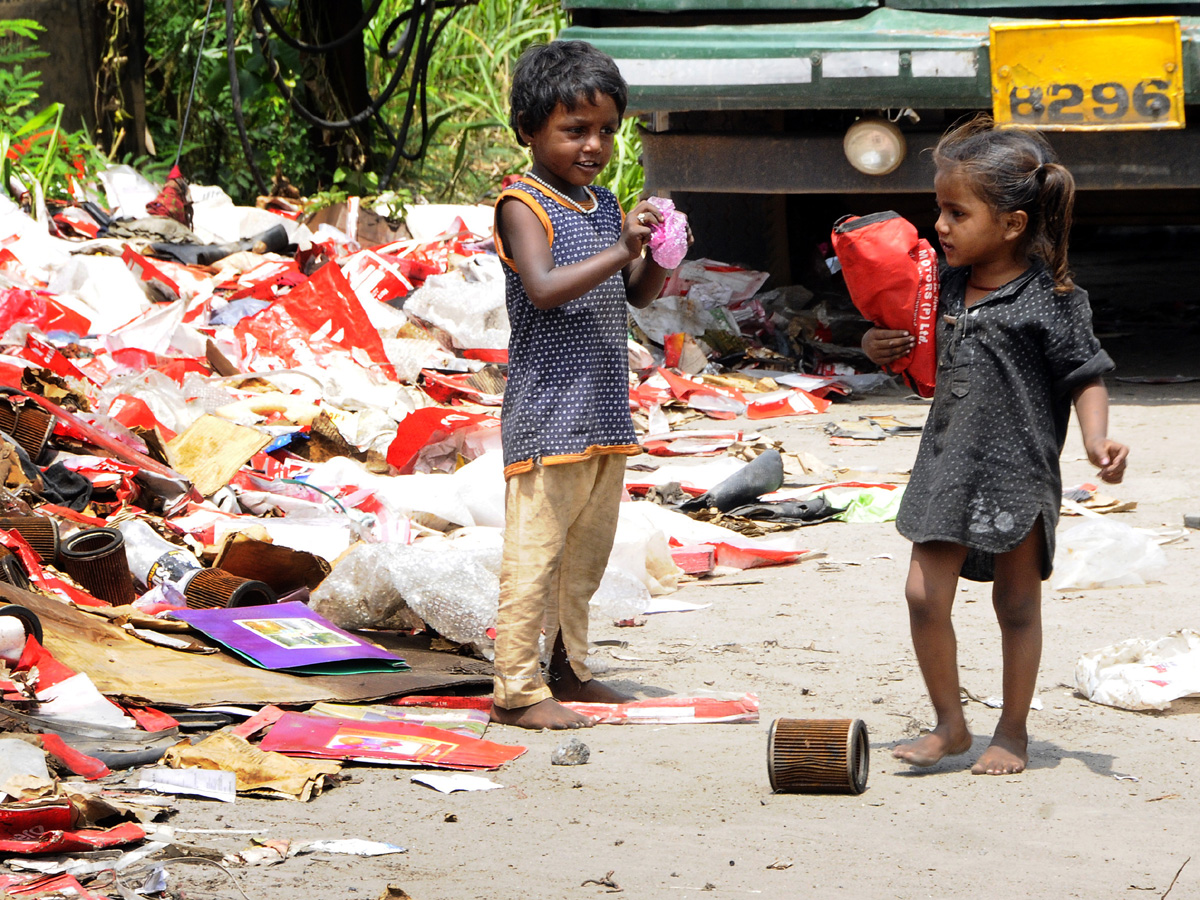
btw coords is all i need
(1015, 349)
(572, 261)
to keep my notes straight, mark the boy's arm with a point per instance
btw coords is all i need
(550, 286)
(644, 280)
(1091, 405)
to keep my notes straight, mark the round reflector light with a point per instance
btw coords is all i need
(874, 146)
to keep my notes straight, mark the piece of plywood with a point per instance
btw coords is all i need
(211, 450)
(131, 670)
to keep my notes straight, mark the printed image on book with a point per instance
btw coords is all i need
(293, 633)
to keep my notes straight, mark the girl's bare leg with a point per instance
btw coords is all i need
(1017, 598)
(932, 580)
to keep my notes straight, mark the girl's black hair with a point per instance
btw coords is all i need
(566, 72)
(1015, 169)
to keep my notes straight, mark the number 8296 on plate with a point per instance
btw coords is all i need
(1106, 75)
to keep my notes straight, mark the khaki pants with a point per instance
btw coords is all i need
(560, 522)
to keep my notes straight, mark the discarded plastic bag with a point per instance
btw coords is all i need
(1104, 553)
(444, 586)
(361, 591)
(1140, 673)
(472, 313)
(620, 596)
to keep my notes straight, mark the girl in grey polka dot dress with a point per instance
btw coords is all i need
(1015, 349)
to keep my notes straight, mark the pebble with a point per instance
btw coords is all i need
(571, 752)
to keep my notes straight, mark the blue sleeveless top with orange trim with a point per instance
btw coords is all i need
(567, 396)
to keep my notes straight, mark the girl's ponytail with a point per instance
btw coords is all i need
(1056, 199)
(1015, 169)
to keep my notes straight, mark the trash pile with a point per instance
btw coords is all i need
(239, 409)
(239, 445)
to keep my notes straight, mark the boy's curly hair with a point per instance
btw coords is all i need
(566, 72)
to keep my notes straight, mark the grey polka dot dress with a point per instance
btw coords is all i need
(988, 463)
(567, 396)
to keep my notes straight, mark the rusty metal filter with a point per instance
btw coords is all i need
(39, 532)
(818, 756)
(33, 429)
(8, 416)
(95, 557)
(216, 588)
(12, 570)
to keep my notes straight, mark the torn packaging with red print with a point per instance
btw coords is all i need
(402, 743)
(718, 403)
(33, 886)
(44, 826)
(72, 760)
(263, 280)
(49, 670)
(314, 318)
(793, 402)
(447, 388)
(41, 310)
(431, 425)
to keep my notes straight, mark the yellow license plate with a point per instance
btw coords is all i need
(1107, 75)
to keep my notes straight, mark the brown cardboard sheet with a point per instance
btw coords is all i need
(127, 668)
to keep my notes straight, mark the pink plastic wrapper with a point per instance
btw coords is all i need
(668, 239)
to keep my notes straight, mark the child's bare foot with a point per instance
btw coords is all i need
(548, 713)
(591, 691)
(565, 685)
(1005, 755)
(930, 748)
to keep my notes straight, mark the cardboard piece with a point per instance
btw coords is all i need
(291, 637)
(211, 450)
(258, 772)
(133, 671)
(283, 568)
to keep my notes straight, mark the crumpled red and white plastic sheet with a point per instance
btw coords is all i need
(732, 549)
(721, 402)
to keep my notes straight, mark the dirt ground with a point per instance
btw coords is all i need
(1107, 809)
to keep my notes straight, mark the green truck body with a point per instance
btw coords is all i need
(754, 98)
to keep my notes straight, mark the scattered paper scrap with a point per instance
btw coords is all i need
(212, 783)
(352, 847)
(459, 781)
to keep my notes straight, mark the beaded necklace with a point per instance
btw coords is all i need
(567, 201)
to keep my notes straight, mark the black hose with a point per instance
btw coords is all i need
(414, 44)
(264, 10)
(235, 91)
(187, 110)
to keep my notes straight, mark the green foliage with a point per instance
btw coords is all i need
(212, 150)
(37, 157)
(469, 76)
(469, 79)
(18, 88)
(471, 148)
(624, 175)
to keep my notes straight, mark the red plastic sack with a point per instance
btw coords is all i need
(892, 276)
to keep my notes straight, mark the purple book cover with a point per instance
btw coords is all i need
(289, 636)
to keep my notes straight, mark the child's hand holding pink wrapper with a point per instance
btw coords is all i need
(669, 238)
